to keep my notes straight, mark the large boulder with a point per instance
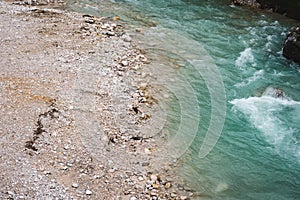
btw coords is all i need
(291, 46)
(289, 8)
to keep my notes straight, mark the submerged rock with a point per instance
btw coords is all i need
(291, 46)
(274, 92)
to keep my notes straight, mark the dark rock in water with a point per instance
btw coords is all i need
(251, 3)
(274, 92)
(289, 8)
(279, 93)
(291, 47)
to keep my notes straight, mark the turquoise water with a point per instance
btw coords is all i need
(219, 63)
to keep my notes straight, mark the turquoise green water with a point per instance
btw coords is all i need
(215, 60)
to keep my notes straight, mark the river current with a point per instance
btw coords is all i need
(221, 67)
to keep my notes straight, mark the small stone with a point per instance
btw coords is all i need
(10, 193)
(140, 178)
(88, 192)
(124, 63)
(168, 185)
(127, 39)
(145, 164)
(153, 177)
(155, 186)
(110, 33)
(153, 194)
(133, 198)
(116, 18)
(52, 186)
(96, 177)
(75, 185)
(47, 172)
(105, 26)
(112, 170)
(173, 195)
(143, 86)
(147, 151)
(183, 198)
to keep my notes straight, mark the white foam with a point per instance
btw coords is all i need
(257, 75)
(246, 57)
(264, 114)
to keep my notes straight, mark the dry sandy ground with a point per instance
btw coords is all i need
(74, 105)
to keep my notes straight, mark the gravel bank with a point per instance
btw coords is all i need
(74, 103)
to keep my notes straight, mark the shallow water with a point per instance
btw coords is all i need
(220, 66)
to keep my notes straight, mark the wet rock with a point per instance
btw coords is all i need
(252, 3)
(290, 8)
(291, 47)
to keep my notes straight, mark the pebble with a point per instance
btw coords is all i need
(147, 151)
(155, 186)
(112, 170)
(125, 63)
(168, 185)
(116, 18)
(75, 185)
(133, 198)
(88, 192)
(173, 195)
(127, 39)
(153, 177)
(110, 33)
(10, 193)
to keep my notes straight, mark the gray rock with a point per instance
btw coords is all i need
(291, 47)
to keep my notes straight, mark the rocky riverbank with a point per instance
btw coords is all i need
(74, 100)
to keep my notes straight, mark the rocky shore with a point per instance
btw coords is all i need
(74, 101)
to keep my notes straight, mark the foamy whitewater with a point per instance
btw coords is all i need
(267, 114)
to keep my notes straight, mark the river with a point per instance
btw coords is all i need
(221, 68)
